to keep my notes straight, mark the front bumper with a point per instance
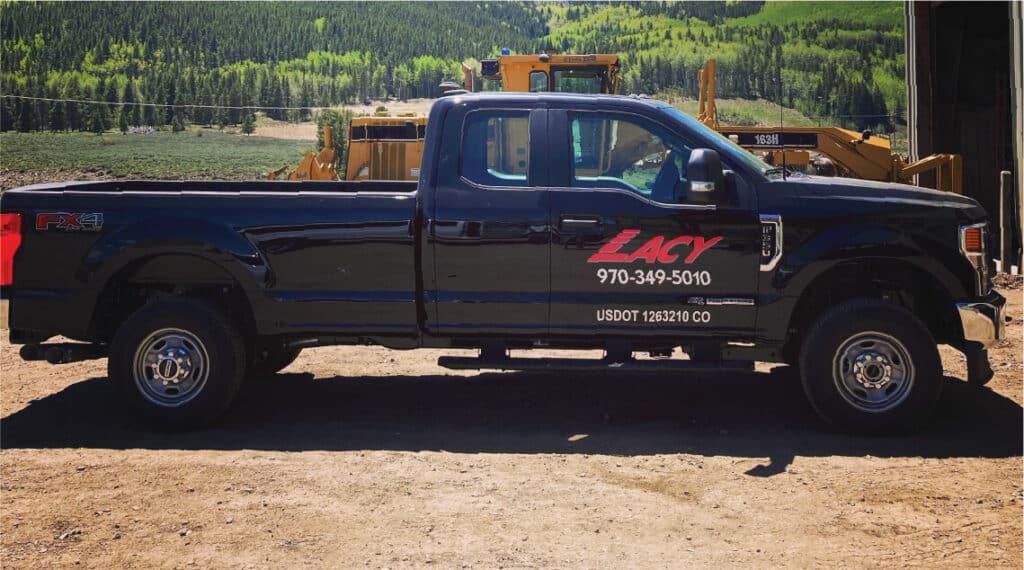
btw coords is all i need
(984, 321)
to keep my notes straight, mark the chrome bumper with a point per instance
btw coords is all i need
(984, 321)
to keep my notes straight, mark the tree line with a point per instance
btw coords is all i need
(212, 63)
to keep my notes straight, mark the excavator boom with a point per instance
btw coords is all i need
(859, 155)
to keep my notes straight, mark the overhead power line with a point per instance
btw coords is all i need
(163, 105)
(900, 115)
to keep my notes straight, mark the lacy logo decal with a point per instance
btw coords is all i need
(657, 250)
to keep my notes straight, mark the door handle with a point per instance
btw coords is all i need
(578, 223)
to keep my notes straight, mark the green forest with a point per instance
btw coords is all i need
(209, 62)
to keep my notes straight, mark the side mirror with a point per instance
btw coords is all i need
(704, 171)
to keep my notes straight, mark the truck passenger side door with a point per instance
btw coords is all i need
(634, 252)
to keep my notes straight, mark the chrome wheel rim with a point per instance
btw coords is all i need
(873, 371)
(171, 367)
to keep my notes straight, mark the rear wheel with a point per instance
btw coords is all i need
(870, 366)
(177, 363)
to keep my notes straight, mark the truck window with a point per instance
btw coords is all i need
(623, 151)
(496, 148)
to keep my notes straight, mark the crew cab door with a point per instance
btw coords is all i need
(636, 251)
(488, 231)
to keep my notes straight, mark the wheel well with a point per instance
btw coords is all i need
(168, 276)
(890, 280)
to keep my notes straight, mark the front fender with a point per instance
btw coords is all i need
(809, 255)
(818, 253)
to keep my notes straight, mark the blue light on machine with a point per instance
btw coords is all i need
(506, 51)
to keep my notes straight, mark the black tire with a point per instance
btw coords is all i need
(268, 362)
(870, 366)
(188, 342)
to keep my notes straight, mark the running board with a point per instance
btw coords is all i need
(468, 363)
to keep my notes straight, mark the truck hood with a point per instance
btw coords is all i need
(883, 194)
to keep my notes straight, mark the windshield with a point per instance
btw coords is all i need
(733, 151)
(578, 80)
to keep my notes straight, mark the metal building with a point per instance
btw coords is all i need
(964, 96)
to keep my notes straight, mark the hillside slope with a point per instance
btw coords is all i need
(837, 59)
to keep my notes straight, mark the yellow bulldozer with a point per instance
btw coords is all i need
(830, 151)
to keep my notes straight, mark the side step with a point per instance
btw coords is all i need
(468, 363)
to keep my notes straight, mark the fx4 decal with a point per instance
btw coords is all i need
(69, 221)
(656, 250)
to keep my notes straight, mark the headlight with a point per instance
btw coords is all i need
(972, 246)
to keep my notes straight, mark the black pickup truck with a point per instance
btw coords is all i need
(562, 221)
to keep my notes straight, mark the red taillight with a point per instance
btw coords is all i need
(10, 241)
(972, 240)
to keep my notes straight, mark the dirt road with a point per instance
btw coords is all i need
(370, 458)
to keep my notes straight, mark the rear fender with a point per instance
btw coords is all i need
(218, 244)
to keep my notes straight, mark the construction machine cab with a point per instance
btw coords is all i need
(592, 73)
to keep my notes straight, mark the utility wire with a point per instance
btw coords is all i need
(165, 105)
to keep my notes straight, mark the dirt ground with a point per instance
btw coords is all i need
(372, 458)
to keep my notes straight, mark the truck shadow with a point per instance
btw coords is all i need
(757, 414)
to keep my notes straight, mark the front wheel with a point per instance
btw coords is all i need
(870, 366)
(177, 363)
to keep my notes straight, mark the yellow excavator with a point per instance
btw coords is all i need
(390, 147)
(828, 150)
(591, 73)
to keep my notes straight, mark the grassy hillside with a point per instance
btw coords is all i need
(838, 59)
(832, 58)
(847, 14)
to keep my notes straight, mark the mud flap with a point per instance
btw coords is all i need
(979, 371)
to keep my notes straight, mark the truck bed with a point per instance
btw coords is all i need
(310, 257)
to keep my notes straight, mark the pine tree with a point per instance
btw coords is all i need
(339, 122)
(122, 120)
(26, 116)
(7, 114)
(178, 124)
(305, 100)
(248, 122)
(57, 117)
(134, 110)
(107, 91)
(73, 110)
(97, 118)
